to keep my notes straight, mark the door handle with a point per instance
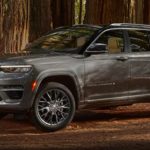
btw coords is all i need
(122, 58)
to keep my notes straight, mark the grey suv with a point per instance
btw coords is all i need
(70, 68)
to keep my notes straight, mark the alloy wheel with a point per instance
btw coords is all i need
(53, 107)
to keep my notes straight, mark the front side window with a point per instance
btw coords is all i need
(68, 40)
(113, 41)
(139, 41)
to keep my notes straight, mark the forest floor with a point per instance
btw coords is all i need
(122, 128)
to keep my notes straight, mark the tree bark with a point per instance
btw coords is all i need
(94, 10)
(63, 12)
(40, 18)
(114, 11)
(14, 25)
(104, 11)
(146, 12)
(139, 6)
(1, 26)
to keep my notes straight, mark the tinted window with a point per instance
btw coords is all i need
(139, 41)
(113, 40)
(69, 40)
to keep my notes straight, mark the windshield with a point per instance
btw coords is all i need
(69, 40)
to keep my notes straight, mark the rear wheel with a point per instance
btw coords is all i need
(54, 107)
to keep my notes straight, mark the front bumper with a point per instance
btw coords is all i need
(15, 91)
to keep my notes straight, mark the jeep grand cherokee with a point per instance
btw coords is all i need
(70, 68)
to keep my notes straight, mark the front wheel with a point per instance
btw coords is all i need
(54, 107)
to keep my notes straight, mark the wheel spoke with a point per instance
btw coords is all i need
(62, 115)
(44, 108)
(50, 98)
(50, 119)
(65, 107)
(44, 114)
(62, 99)
(41, 103)
(43, 99)
(56, 94)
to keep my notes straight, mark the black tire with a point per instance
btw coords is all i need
(54, 107)
(2, 115)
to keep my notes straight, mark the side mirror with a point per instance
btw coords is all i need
(97, 48)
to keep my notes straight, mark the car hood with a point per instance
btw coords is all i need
(35, 58)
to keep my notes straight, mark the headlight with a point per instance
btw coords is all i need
(15, 68)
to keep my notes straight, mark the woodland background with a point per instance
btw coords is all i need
(22, 21)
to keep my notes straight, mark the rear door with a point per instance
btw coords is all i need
(139, 85)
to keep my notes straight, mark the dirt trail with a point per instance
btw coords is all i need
(123, 128)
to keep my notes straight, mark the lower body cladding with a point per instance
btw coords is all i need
(15, 92)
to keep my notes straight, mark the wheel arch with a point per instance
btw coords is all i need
(70, 81)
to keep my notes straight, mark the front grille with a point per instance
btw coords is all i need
(11, 92)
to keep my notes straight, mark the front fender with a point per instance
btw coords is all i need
(46, 74)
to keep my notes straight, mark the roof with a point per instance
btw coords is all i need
(127, 25)
(82, 25)
(89, 25)
(131, 25)
(115, 25)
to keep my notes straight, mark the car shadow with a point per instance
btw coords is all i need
(106, 115)
(10, 126)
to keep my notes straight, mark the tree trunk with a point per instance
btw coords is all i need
(1, 26)
(63, 12)
(80, 12)
(94, 10)
(113, 11)
(146, 12)
(14, 25)
(40, 18)
(104, 11)
(139, 6)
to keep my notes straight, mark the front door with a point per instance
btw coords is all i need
(107, 74)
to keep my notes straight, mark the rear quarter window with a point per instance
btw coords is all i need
(139, 40)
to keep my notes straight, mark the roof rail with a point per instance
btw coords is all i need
(130, 24)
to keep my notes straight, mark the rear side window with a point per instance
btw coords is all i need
(139, 40)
